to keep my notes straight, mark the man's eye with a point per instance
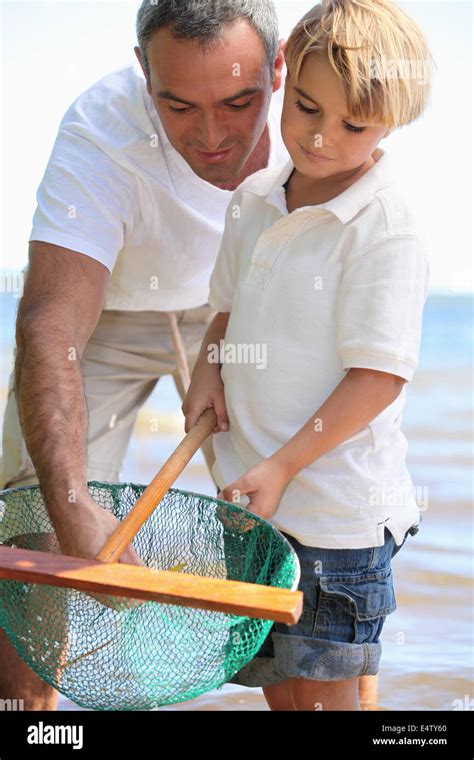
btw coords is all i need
(180, 110)
(240, 106)
(303, 108)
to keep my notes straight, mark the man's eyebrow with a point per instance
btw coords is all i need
(167, 95)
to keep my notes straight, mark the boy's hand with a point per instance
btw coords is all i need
(263, 484)
(205, 390)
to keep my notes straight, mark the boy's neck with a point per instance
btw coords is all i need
(302, 190)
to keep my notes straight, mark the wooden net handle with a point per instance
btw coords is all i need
(116, 544)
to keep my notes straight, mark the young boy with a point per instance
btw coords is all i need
(322, 273)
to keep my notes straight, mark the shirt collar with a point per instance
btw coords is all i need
(344, 206)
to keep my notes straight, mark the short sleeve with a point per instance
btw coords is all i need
(84, 201)
(224, 275)
(380, 307)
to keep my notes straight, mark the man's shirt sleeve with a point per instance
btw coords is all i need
(84, 201)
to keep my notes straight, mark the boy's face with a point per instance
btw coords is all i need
(315, 124)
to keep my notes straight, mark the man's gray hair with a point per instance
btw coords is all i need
(204, 20)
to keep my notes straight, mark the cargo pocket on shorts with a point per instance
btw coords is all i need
(353, 608)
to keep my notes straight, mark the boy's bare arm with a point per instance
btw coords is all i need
(206, 388)
(358, 399)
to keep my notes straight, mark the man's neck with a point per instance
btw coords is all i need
(257, 160)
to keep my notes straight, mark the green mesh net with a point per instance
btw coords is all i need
(152, 654)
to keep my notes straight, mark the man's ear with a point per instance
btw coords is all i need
(138, 53)
(278, 69)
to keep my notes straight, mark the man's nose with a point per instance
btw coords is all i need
(212, 131)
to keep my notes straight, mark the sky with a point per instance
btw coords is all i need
(53, 51)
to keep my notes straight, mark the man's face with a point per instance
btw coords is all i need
(213, 104)
(315, 124)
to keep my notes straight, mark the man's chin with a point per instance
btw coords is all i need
(225, 172)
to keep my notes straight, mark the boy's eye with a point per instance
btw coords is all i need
(351, 128)
(303, 108)
(312, 111)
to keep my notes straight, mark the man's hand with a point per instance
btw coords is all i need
(84, 529)
(82, 532)
(263, 484)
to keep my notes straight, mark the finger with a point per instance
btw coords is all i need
(130, 557)
(234, 491)
(221, 412)
(189, 422)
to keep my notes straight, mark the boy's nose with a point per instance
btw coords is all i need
(322, 139)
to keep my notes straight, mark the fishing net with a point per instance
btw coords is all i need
(151, 654)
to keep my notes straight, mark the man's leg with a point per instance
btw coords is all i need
(17, 680)
(123, 360)
(117, 381)
(126, 355)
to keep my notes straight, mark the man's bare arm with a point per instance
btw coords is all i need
(62, 301)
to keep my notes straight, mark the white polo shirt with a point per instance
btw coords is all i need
(313, 293)
(115, 189)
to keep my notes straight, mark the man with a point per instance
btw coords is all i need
(128, 225)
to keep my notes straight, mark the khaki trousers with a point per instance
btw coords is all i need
(126, 355)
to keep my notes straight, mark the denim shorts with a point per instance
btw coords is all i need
(347, 595)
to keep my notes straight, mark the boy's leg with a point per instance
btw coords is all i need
(368, 692)
(279, 696)
(321, 659)
(306, 694)
(325, 695)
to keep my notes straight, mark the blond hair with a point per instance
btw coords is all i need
(371, 45)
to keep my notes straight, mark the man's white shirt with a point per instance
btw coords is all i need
(115, 189)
